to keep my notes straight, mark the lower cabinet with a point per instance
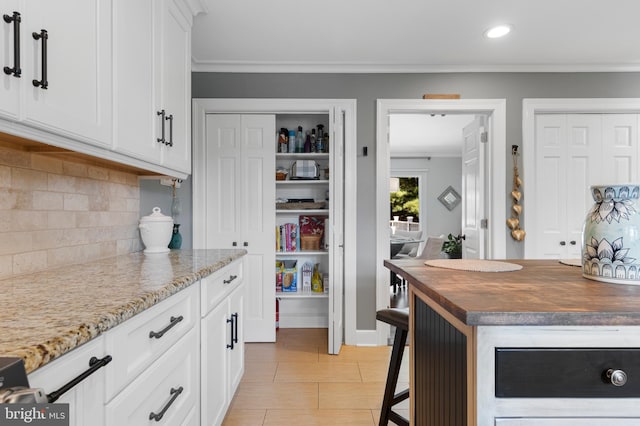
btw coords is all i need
(222, 348)
(564, 421)
(86, 399)
(167, 393)
(177, 363)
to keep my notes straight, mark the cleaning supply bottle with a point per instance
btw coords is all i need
(299, 140)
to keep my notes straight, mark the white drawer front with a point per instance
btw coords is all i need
(218, 285)
(134, 349)
(169, 387)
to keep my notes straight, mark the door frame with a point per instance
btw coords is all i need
(496, 208)
(533, 106)
(202, 106)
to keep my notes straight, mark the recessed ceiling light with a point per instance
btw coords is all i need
(498, 31)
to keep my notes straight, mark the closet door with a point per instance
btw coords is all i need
(573, 152)
(240, 207)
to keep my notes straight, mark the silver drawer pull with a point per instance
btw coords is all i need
(172, 323)
(616, 377)
(174, 394)
(231, 278)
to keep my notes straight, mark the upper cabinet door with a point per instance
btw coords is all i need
(10, 57)
(175, 87)
(135, 117)
(73, 62)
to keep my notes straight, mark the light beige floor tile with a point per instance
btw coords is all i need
(244, 418)
(269, 352)
(318, 372)
(258, 371)
(376, 371)
(351, 395)
(319, 417)
(276, 396)
(359, 353)
(376, 415)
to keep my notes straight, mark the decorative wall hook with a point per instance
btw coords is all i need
(513, 222)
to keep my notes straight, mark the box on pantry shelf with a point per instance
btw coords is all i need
(290, 276)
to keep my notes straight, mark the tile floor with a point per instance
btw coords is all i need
(295, 382)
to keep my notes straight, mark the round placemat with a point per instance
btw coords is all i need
(476, 265)
(571, 262)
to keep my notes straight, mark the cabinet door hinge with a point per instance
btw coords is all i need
(484, 223)
(484, 137)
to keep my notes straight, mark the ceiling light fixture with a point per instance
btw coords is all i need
(498, 31)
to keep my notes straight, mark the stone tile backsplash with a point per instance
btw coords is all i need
(56, 212)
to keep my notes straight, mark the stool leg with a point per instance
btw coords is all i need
(399, 341)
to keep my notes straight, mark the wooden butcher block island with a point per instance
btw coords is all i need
(540, 346)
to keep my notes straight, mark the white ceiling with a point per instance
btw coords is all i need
(416, 36)
(424, 135)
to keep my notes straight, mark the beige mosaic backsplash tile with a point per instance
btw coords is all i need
(55, 212)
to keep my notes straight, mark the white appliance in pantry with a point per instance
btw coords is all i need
(234, 191)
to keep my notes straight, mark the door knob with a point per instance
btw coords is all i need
(573, 243)
(563, 243)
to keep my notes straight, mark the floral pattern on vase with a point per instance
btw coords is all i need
(611, 235)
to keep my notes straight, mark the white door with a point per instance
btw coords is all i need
(573, 152)
(135, 116)
(240, 208)
(176, 87)
(336, 235)
(77, 101)
(473, 188)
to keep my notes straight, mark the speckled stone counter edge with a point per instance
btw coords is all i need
(36, 356)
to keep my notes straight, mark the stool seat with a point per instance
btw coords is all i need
(399, 318)
(395, 317)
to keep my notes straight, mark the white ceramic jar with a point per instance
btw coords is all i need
(155, 231)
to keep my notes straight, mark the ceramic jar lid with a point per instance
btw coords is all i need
(156, 216)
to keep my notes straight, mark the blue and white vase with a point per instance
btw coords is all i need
(611, 235)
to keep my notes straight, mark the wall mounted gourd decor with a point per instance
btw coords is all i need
(516, 195)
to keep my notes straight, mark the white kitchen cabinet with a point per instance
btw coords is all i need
(167, 393)
(573, 152)
(86, 399)
(65, 84)
(152, 82)
(235, 195)
(140, 341)
(240, 192)
(11, 58)
(222, 357)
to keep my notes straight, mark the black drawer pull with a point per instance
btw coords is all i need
(175, 393)
(162, 118)
(231, 278)
(43, 35)
(94, 365)
(172, 323)
(16, 19)
(170, 119)
(616, 377)
(231, 321)
(234, 336)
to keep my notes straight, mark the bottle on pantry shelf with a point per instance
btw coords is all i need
(292, 141)
(299, 140)
(283, 140)
(307, 142)
(320, 139)
(316, 280)
(313, 140)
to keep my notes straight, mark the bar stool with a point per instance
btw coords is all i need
(399, 318)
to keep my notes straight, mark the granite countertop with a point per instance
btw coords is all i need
(47, 314)
(543, 292)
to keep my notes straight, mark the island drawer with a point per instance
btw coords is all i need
(567, 372)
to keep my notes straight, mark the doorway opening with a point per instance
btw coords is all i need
(493, 163)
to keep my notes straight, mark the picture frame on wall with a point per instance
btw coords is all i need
(450, 198)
